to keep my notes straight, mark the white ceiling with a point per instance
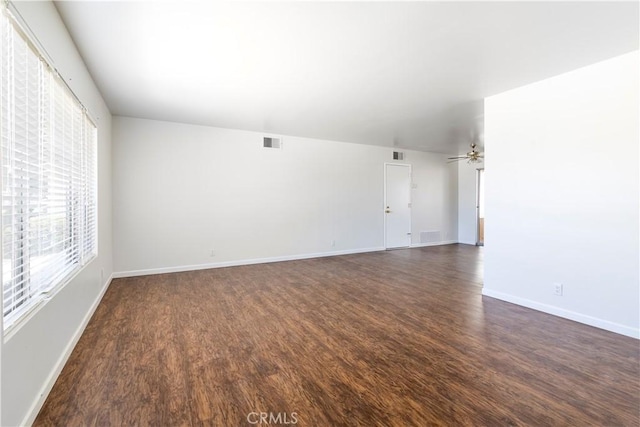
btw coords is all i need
(387, 73)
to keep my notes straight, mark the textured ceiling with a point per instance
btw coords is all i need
(409, 74)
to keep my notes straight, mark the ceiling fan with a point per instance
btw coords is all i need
(473, 156)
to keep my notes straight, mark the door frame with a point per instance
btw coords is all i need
(384, 201)
(479, 177)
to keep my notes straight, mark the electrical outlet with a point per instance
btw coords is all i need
(101, 275)
(213, 253)
(558, 289)
(333, 243)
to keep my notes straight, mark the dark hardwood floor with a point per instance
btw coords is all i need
(396, 338)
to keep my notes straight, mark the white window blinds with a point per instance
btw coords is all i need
(48, 144)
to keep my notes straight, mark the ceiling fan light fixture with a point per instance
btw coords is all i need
(474, 160)
(473, 156)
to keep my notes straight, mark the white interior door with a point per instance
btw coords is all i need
(397, 195)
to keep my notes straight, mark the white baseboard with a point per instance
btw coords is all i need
(236, 263)
(53, 376)
(444, 242)
(567, 314)
(467, 242)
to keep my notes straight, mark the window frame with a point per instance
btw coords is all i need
(85, 238)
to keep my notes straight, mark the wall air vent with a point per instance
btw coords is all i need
(271, 142)
(398, 155)
(430, 236)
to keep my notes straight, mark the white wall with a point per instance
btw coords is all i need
(562, 195)
(467, 215)
(182, 191)
(33, 356)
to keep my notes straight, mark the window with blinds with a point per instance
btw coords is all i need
(48, 144)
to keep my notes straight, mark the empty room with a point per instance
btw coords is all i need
(230, 213)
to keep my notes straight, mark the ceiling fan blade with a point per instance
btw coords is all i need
(457, 158)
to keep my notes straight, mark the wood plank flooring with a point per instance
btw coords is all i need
(397, 338)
